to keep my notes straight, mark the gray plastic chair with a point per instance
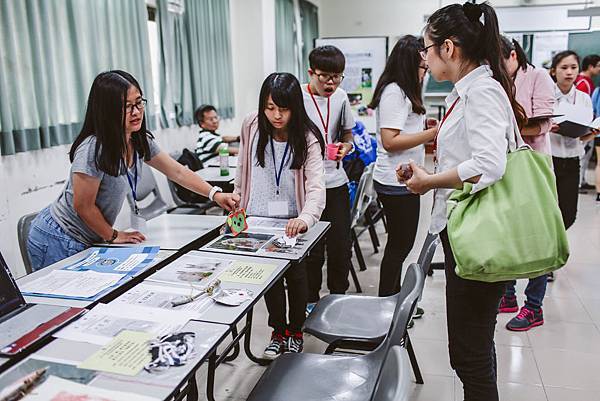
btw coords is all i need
(315, 377)
(394, 381)
(337, 319)
(147, 187)
(23, 226)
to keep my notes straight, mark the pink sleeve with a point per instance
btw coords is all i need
(314, 186)
(543, 98)
(242, 159)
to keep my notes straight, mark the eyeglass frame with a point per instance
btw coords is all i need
(139, 106)
(423, 51)
(330, 77)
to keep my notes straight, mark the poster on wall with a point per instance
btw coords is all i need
(365, 61)
(546, 45)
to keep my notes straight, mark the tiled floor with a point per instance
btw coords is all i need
(558, 361)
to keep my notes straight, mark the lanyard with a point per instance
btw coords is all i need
(278, 175)
(133, 183)
(440, 129)
(325, 124)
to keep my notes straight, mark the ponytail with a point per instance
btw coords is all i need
(509, 45)
(480, 42)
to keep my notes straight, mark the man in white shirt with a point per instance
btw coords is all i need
(328, 107)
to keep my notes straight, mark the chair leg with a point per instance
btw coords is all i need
(413, 360)
(361, 260)
(372, 232)
(355, 279)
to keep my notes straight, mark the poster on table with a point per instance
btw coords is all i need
(365, 61)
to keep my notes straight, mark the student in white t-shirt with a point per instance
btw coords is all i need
(328, 107)
(401, 135)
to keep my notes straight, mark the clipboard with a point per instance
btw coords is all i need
(572, 129)
(543, 117)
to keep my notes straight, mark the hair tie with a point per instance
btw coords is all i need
(472, 11)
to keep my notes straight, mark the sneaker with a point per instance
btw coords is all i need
(419, 312)
(526, 319)
(508, 304)
(294, 342)
(585, 185)
(551, 277)
(309, 307)
(275, 347)
(410, 324)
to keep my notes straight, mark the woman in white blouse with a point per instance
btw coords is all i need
(401, 133)
(472, 143)
(566, 151)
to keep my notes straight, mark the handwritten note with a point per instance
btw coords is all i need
(247, 273)
(126, 354)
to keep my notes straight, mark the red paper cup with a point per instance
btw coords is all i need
(332, 151)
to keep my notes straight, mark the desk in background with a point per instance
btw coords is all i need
(213, 175)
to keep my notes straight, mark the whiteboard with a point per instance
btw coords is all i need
(541, 18)
(365, 61)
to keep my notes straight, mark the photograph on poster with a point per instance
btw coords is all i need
(245, 242)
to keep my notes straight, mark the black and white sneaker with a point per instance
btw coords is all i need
(294, 342)
(419, 312)
(275, 347)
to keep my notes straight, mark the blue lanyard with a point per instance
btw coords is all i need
(133, 184)
(278, 174)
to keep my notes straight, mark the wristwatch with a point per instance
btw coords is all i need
(352, 149)
(112, 239)
(213, 191)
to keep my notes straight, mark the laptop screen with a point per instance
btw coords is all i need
(10, 296)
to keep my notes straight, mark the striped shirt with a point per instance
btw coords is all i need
(207, 145)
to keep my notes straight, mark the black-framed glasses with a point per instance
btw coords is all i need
(324, 78)
(423, 51)
(424, 67)
(139, 105)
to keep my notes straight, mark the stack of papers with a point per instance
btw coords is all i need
(576, 121)
(193, 270)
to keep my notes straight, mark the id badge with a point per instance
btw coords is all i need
(278, 208)
(138, 223)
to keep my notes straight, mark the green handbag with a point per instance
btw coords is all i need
(512, 229)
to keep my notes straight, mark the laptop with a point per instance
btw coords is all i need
(23, 324)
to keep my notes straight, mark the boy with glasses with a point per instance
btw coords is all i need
(329, 108)
(209, 141)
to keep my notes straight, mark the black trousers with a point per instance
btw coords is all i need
(567, 186)
(275, 299)
(338, 242)
(402, 215)
(471, 308)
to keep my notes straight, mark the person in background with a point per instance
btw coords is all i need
(534, 90)
(401, 135)
(209, 141)
(280, 174)
(472, 142)
(566, 151)
(328, 107)
(596, 106)
(590, 69)
(106, 163)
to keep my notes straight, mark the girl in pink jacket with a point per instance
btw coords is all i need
(280, 174)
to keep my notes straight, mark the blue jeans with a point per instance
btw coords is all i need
(48, 243)
(535, 291)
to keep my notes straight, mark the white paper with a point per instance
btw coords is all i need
(191, 269)
(277, 208)
(160, 296)
(105, 321)
(267, 223)
(84, 284)
(571, 112)
(56, 388)
(596, 123)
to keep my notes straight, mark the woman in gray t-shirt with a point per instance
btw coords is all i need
(106, 163)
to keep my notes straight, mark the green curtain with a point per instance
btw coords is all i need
(196, 65)
(51, 52)
(309, 14)
(285, 41)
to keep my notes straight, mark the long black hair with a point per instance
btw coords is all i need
(508, 45)
(286, 92)
(480, 42)
(402, 68)
(558, 57)
(105, 119)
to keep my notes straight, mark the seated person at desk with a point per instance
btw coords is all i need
(280, 174)
(209, 142)
(106, 160)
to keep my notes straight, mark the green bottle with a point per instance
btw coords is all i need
(224, 159)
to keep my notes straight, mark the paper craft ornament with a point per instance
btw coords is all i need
(236, 222)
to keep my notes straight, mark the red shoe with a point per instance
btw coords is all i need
(508, 304)
(526, 319)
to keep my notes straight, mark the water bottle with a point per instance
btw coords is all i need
(224, 159)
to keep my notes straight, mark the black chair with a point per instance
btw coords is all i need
(316, 377)
(23, 226)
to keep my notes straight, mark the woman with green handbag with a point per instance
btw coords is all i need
(471, 146)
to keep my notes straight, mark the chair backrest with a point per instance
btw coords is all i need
(364, 195)
(394, 381)
(427, 251)
(147, 186)
(23, 226)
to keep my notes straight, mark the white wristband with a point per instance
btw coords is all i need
(213, 191)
